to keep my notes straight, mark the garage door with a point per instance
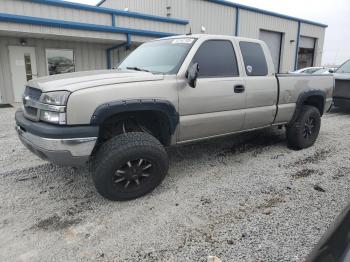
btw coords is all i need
(273, 41)
(306, 52)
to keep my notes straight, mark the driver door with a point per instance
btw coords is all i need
(216, 105)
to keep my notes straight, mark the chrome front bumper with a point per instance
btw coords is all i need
(70, 146)
(71, 152)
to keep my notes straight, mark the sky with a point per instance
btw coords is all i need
(335, 13)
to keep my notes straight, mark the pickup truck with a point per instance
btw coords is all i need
(168, 92)
(341, 94)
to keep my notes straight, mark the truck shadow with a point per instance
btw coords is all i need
(253, 142)
(339, 111)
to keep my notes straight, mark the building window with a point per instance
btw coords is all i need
(306, 52)
(28, 67)
(60, 61)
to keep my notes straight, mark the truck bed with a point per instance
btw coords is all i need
(290, 86)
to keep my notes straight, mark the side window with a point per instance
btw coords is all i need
(216, 58)
(254, 59)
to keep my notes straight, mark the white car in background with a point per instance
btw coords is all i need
(306, 70)
(324, 71)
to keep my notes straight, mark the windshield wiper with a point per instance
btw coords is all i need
(137, 68)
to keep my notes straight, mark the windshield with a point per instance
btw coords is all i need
(344, 68)
(161, 56)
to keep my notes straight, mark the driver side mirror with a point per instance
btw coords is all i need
(331, 71)
(192, 74)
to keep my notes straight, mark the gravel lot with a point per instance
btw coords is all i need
(241, 198)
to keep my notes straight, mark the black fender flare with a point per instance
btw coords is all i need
(303, 97)
(110, 109)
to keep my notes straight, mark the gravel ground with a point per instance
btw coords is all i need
(240, 198)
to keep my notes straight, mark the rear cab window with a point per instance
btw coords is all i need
(254, 59)
(216, 58)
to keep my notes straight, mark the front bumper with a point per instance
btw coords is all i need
(63, 145)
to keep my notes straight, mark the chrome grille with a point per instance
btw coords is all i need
(31, 111)
(32, 93)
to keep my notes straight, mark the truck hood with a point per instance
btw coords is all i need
(87, 79)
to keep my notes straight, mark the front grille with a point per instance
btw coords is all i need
(31, 111)
(32, 93)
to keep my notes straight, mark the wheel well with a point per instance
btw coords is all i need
(316, 101)
(154, 122)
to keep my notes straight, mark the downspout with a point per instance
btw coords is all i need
(297, 48)
(237, 22)
(127, 44)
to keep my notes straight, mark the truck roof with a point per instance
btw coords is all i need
(211, 36)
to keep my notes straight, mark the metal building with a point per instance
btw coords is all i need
(46, 37)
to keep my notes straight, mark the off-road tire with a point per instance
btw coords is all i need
(129, 147)
(296, 137)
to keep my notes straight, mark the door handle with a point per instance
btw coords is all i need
(239, 88)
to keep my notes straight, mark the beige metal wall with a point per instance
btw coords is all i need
(318, 33)
(28, 8)
(137, 23)
(221, 19)
(119, 54)
(217, 19)
(251, 23)
(154, 7)
(59, 33)
(88, 56)
(198, 12)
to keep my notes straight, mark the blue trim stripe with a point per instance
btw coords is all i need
(77, 25)
(265, 12)
(297, 48)
(111, 11)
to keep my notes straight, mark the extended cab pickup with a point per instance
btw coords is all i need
(167, 92)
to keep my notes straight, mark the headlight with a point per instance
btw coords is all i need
(53, 117)
(54, 107)
(59, 98)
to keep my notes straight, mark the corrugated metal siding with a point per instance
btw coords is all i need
(318, 33)
(154, 7)
(178, 8)
(119, 54)
(46, 31)
(217, 19)
(137, 23)
(88, 56)
(28, 8)
(251, 23)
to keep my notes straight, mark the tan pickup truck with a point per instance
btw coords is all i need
(167, 92)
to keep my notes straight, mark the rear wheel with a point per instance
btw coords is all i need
(304, 131)
(129, 166)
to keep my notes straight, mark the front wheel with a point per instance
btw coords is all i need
(129, 166)
(304, 131)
